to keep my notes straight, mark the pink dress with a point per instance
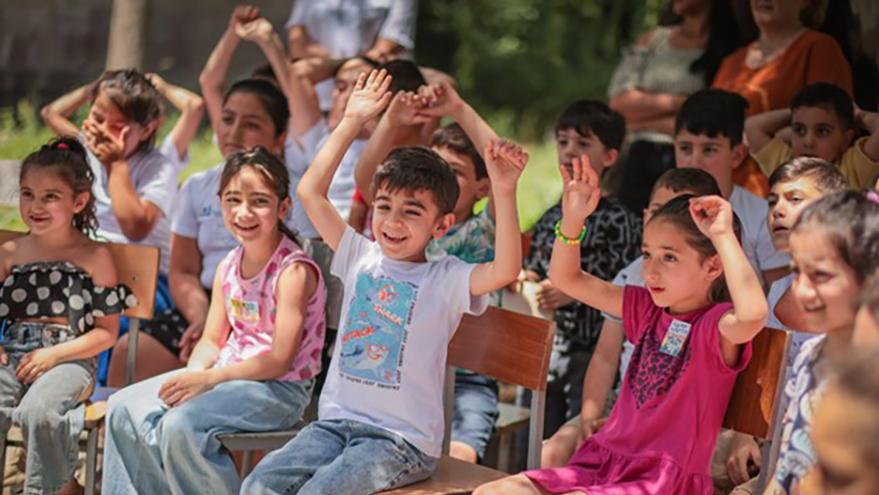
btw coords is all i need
(251, 306)
(661, 433)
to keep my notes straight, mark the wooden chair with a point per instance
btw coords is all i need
(138, 268)
(753, 408)
(510, 347)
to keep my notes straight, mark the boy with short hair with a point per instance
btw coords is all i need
(613, 351)
(708, 136)
(380, 420)
(792, 187)
(612, 241)
(821, 120)
(470, 239)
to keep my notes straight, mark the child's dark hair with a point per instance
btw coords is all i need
(417, 168)
(134, 95)
(273, 100)
(713, 112)
(454, 138)
(265, 72)
(696, 181)
(677, 212)
(405, 75)
(824, 175)
(273, 170)
(828, 96)
(67, 158)
(594, 117)
(851, 220)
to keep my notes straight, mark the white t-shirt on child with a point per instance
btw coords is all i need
(390, 354)
(155, 180)
(342, 187)
(756, 240)
(169, 149)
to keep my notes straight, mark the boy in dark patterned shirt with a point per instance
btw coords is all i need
(612, 241)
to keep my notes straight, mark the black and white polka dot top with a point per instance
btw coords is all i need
(60, 289)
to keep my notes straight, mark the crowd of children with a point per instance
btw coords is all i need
(655, 310)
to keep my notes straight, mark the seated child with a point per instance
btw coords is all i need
(470, 239)
(59, 308)
(689, 346)
(821, 120)
(380, 420)
(834, 244)
(867, 320)
(254, 367)
(611, 241)
(613, 351)
(708, 136)
(845, 432)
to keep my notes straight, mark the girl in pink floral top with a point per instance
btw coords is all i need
(254, 366)
(689, 346)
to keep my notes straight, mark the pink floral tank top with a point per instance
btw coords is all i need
(251, 306)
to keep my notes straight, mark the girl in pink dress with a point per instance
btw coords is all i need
(689, 346)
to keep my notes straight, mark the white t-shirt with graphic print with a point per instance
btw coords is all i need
(390, 354)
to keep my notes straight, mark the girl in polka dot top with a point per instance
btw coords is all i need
(59, 308)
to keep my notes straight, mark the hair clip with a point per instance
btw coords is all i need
(873, 196)
(62, 146)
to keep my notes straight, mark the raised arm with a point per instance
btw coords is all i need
(579, 199)
(402, 111)
(213, 76)
(761, 128)
(714, 217)
(870, 122)
(301, 92)
(261, 32)
(505, 162)
(441, 100)
(190, 106)
(371, 95)
(56, 115)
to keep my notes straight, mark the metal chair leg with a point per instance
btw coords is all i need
(3, 459)
(246, 463)
(131, 363)
(91, 461)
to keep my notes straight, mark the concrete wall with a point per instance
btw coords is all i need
(49, 46)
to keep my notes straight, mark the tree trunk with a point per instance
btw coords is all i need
(127, 34)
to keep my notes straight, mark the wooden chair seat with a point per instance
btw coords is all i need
(94, 414)
(451, 477)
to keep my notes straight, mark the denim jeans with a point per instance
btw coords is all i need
(150, 448)
(475, 410)
(49, 411)
(341, 457)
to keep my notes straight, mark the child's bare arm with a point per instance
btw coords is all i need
(505, 162)
(870, 121)
(602, 372)
(441, 100)
(761, 128)
(304, 103)
(213, 76)
(216, 328)
(580, 198)
(56, 115)
(191, 108)
(261, 32)
(370, 97)
(301, 45)
(714, 217)
(402, 111)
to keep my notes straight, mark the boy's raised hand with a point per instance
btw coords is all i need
(581, 189)
(504, 161)
(242, 14)
(439, 100)
(404, 110)
(370, 96)
(713, 215)
(256, 30)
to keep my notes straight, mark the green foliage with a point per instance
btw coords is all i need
(529, 58)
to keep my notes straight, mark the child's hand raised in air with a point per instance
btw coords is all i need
(404, 110)
(713, 215)
(370, 96)
(504, 161)
(439, 100)
(257, 30)
(242, 14)
(581, 190)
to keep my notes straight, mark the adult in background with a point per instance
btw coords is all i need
(785, 57)
(655, 76)
(336, 29)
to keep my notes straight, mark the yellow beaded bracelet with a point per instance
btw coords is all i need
(568, 240)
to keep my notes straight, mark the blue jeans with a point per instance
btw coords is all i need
(341, 457)
(475, 410)
(150, 448)
(49, 411)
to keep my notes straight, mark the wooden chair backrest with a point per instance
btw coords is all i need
(136, 266)
(508, 346)
(752, 406)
